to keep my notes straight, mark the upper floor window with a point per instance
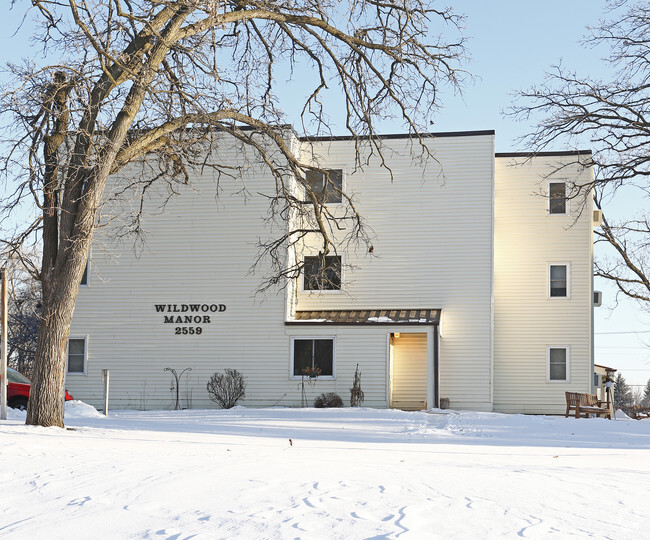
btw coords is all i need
(559, 280)
(557, 198)
(326, 186)
(322, 275)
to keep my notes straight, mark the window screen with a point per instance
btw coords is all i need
(558, 280)
(312, 354)
(557, 364)
(557, 198)
(76, 355)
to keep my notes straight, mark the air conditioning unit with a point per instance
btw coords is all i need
(598, 298)
(597, 218)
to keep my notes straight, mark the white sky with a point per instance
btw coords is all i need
(512, 44)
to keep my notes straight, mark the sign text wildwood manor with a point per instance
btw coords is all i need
(194, 315)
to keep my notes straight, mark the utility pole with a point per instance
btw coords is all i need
(3, 348)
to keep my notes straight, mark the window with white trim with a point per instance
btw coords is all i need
(322, 274)
(557, 201)
(558, 278)
(312, 357)
(327, 186)
(77, 355)
(558, 363)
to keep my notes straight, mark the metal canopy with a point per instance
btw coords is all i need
(367, 316)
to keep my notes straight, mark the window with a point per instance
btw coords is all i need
(77, 355)
(326, 186)
(312, 355)
(557, 198)
(319, 277)
(558, 281)
(558, 363)
(84, 278)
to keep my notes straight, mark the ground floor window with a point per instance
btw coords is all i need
(558, 363)
(77, 355)
(311, 356)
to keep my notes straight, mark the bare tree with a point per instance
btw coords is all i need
(24, 312)
(164, 79)
(613, 118)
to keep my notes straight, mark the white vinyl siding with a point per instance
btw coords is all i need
(427, 252)
(527, 320)
(198, 251)
(441, 238)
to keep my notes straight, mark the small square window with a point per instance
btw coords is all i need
(558, 285)
(557, 198)
(558, 364)
(76, 355)
(319, 277)
(312, 357)
(326, 186)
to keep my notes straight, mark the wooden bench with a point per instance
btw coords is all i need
(639, 412)
(585, 404)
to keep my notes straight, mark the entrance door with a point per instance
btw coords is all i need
(408, 371)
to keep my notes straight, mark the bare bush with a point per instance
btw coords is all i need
(328, 400)
(227, 388)
(356, 394)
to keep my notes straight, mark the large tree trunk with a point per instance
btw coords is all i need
(60, 289)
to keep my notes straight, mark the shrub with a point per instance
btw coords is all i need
(325, 401)
(356, 394)
(227, 388)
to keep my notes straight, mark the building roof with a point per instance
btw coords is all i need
(388, 136)
(604, 367)
(367, 316)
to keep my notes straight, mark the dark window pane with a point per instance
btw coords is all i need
(557, 368)
(76, 346)
(324, 356)
(327, 185)
(84, 278)
(558, 289)
(309, 354)
(318, 278)
(75, 363)
(558, 272)
(557, 198)
(558, 280)
(76, 355)
(302, 355)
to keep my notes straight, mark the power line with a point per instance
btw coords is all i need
(625, 332)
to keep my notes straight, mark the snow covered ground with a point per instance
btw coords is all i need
(323, 473)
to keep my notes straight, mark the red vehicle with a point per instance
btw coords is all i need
(18, 390)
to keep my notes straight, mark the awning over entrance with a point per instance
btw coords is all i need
(367, 316)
